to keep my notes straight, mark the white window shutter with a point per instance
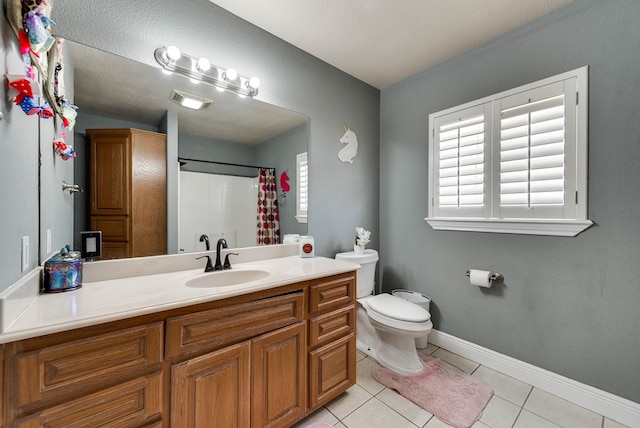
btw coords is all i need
(460, 143)
(534, 140)
(302, 196)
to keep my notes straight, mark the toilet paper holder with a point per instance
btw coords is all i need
(495, 277)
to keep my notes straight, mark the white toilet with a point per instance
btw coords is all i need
(386, 326)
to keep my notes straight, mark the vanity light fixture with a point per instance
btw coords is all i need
(200, 69)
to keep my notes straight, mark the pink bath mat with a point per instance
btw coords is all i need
(443, 390)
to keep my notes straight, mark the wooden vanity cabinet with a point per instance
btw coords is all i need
(128, 191)
(265, 359)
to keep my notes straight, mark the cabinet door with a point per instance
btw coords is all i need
(279, 372)
(332, 370)
(110, 172)
(212, 391)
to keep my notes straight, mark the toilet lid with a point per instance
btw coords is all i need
(396, 308)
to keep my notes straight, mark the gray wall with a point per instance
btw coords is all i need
(19, 145)
(569, 305)
(280, 153)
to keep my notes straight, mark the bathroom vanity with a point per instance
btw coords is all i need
(265, 356)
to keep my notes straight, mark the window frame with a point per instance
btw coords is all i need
(491, 217)
(301, 213)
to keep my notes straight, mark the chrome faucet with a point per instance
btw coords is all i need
(205, 238)
(209, 266)
(222, 243)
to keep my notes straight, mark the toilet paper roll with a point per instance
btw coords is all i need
(481, 278)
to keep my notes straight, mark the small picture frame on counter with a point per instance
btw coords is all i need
(91, 245)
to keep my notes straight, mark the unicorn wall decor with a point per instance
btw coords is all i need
(348, 152)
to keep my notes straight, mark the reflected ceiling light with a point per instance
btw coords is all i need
(190, 101)
(200, 69)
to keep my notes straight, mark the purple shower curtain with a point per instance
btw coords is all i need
(268, 219)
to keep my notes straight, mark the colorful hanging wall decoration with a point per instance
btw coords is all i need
(41, 52)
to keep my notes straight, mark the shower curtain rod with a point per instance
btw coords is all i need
(183, 161)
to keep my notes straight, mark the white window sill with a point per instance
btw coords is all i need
(301, 218)
(517, 226)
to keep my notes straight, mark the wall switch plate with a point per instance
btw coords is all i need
(25, 253)
(49, 239)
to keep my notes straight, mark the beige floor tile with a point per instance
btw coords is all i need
(437, 423)
(346, 403)
(608, 423)
(360, 356)
(504, 386)
(530, 420)
(429, 349)
(479, 424)
(364, 378)
(375, 414)
(320, 415)
(462, 363)
(499, 413)
(561, 412)
(406, 408)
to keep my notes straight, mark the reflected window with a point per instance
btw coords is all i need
(302, 196)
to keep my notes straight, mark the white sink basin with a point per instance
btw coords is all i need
(226, 278)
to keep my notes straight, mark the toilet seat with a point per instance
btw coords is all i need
(398, 309)
(388, 311)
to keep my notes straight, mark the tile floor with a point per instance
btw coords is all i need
(514, 404)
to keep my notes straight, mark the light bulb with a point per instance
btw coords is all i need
(254, 83)
(230, 74)
(203, 65)
(173, 53)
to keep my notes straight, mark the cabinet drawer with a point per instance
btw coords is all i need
(114, 228)
(333, 325)
(332, 369)
(71, 368)
(332, 293)
(210, 329)
(131, 404)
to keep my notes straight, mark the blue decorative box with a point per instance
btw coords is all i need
(63, 271)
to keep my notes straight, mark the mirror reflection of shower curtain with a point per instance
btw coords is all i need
(268, 219)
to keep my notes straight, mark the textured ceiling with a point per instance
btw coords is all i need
(384, 41)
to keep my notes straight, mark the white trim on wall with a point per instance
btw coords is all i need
(609, 405)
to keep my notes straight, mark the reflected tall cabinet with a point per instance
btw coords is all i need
(128, 191)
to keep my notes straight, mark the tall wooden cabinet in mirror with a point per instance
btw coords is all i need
(128, 191)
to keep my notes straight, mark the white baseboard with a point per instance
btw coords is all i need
(613, 407)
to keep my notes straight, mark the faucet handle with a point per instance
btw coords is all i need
(209, 266)
(227, 263)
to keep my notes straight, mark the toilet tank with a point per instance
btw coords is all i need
(367, 272)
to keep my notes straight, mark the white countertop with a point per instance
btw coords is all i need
(110, 300)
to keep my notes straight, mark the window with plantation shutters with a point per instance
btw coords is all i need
(302, 195)
(514, 162)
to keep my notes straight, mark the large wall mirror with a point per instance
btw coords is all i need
(227, 142)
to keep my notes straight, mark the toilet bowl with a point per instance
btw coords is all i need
(386, 326)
